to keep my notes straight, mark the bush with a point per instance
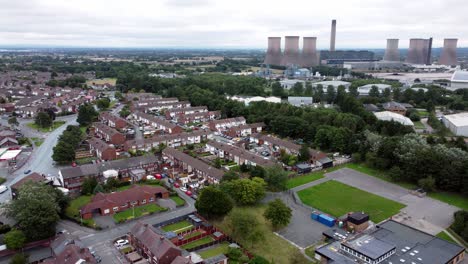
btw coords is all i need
(4, 229)
(428, 184)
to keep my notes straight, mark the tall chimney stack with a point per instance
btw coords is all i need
(309, 52)
(333, 35)
(291, 51)
(392, 53)
(273, 55)
(449, 52)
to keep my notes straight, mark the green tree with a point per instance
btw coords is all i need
(298, 89)
(36, 210)
(43, 120)
(217, 163)
(276, 178)
(308, 89)
(213, 203)
(428, 184)
(118, 95)
(278, 213)
(259, 260)
(125, 112)
(63, 152)
(13, 121)
(277, 89)
(98, 189)
(86, 114)
(245, 226)
(19, 258)
(245, 191)
(103, 103)
(230, 176)
(88, 185)
(304, 153)
(374, 91)
(331, 94)
(14, 239)
(234, 253)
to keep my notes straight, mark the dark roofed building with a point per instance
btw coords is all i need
(238, 155)
(152, 246)
(33, 177)
(113, 120)
(109, 134)
(394, 107)
(101, 149)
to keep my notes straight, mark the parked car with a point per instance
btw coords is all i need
(121, 242)
(27, 171)
(183, 189)
(176, 185)
(96, 257)
(195, 197)
(170, 180)
(164, 175)
(3, 188)
(189, 193)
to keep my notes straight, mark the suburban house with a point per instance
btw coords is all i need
(238, 155)
(33, 177)
(152, 246)
(245, 130)
(223, 124)
(68, 249)
(158, 105)
(157, 123)
(276, 144)
(72, 178)
(101, 149)
(143, 103)
(141, 96)
(111, 203)
(113, 120)
(395, 107)
(197, 117)
(194, 168)
(170, 140)
(7, 108)
(109, 134)
(171, 113)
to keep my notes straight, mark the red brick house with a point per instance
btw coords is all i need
(110, 203)
(152, 246)
(112, 120)
(101, 149)
(109, 134)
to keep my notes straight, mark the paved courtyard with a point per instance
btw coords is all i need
(427, 214)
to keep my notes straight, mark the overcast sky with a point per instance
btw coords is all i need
(223, 23)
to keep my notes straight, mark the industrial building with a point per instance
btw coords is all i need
(391, 116)
(419, 51)
(365, 89)
(449, 52)
(459, 80)
(338, 57)
(391, 52)
(373, 65)
(390, 242)
(457, 123)
(300, 100)
(335, 84)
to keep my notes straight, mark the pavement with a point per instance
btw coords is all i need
(427, 214)
(41, 158)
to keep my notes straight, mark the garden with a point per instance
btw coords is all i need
(137, 211)
(178, 227)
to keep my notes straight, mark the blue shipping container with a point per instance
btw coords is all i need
(315, 216)
(326, 220)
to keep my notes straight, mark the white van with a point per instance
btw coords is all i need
(3, 188)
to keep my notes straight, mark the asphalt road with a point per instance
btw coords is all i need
(41, 158)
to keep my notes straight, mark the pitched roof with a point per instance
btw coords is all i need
(106, 129)
(157, 244)
(34, 177)
(241, 153)
(134, 193)
(194, 163)
(99, 144)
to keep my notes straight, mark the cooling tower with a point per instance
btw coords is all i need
(418, 51)
(449, 52)
(428, 51)
(291, 51)
(392, 53)
(273, 55)
(333, 35)
(309, 52)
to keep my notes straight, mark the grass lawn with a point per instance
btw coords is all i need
(179, 226)
(2, 180)
(126, 187)
(73, 210)
(215, 251)
(198, 242)
(310, 177)
(272, 247)
(454, 199)
(418, 125)
(37, 141)
(83, 129)
(423, 113)
(102, 81)
(444, 236)
(138, 211)
(193, 234)
(85, 160)
(179, 201)
(54, 126)
(337, 199)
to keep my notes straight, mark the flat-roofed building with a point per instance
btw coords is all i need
(459, 80)
(457, 123)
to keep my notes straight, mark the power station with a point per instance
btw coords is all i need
(391, 52)
(291, 51)
(449, 52)
(419, 51)
(333, 35)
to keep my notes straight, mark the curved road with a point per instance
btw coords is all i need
(41, 158)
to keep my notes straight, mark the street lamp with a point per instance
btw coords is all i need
(133, 209)
(81, 217)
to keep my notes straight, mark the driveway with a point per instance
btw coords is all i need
(427, 214)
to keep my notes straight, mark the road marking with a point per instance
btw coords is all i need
(87, 236)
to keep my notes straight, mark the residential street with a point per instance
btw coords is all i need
(41, 158)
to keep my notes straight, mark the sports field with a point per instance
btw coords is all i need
(337, 199)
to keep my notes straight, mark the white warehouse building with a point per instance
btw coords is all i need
(457, 123)
(459, 80)
(390, 116)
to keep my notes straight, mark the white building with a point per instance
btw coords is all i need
(289, 83)
(365, 89)
(335, 84)
(459, 80)
(390, 116)
(249, 99)
(457, 123)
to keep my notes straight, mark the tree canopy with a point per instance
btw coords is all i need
(86, 114)
(213, 203)
(278, 213)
